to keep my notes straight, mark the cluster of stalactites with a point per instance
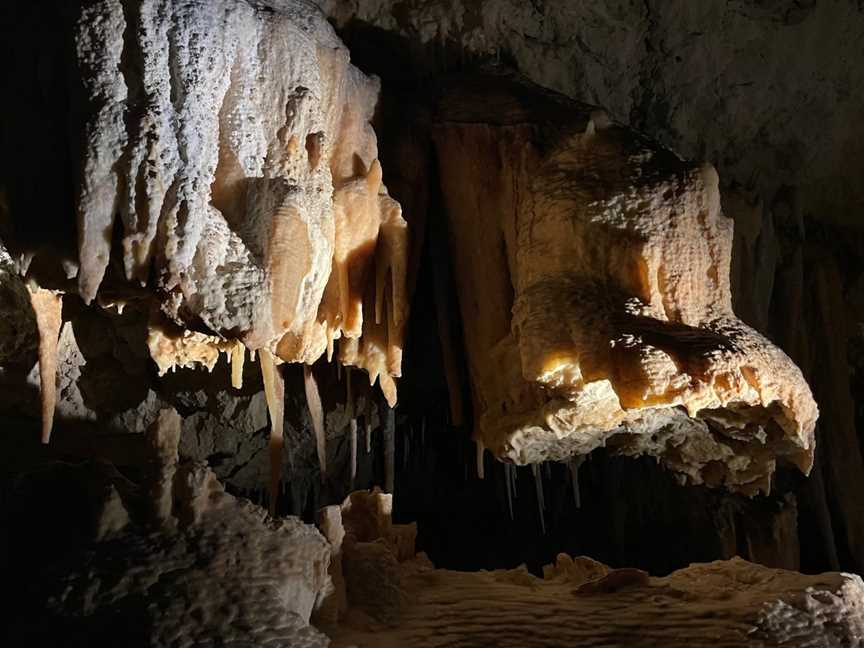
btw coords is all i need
(253, 204)
(364, 305)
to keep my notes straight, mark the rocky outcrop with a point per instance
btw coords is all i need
(175, 558)
(227, 181)
(768, 95)
(234, 141)
(613, 257)
(395, 598)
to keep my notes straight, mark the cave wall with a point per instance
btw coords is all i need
(769, 93)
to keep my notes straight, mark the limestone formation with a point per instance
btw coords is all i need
(223, 176)
(394, 598)
(47, 306)
(206, 567)
(176, 559)
(233, 142)
(593, 276)
(274, 390)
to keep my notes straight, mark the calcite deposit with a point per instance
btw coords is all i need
(593, 274)
(175, 560)
(228, 167)
(47, 307)
(217, 162)
(204, 567)
(232, 139)
(385, 595)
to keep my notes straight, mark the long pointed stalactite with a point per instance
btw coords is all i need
(352, 425)
(238, 357)
(274, 389)
(316, 412)
(48, 306)
(390, 451)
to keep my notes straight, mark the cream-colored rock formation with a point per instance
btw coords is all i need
(233, 140)
(388, 596)
(210, 567)
(47, 307)
(178, 561)
(593, 276)
(231, 143)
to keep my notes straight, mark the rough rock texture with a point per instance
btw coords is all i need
(613, 256)
(232, 142)
(395, 598)
(767, 92)
(770, 94)
(175, 560)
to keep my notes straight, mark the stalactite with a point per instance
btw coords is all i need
(316, 411)
(646, 349)
(349, 393)
(538, 483)
(47, 306)
(389, 450)
(508, 480)
(573, 466)
(367, 424)
(353, 439)
(444, 318)
(352, 425)
(238, 356)
(274, 390)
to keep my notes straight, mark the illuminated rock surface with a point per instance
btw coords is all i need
(231, 141)
(176, 559)
(593, 275)
(200, 181)
(395, 598)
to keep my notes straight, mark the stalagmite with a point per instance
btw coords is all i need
(316, 412)
(162, 440)
(480, 449)
(541, 505)
(595, 295)
(398, 598)
(47, 306)
(238, 356)
(274, 389)
(208, 568)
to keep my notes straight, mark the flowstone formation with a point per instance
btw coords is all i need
(174, 560)
(229, 185)
(593, 276)
(387, 595)
(233, 140)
